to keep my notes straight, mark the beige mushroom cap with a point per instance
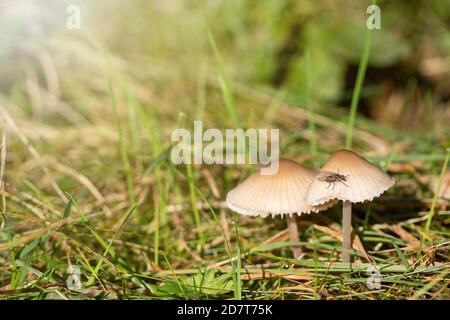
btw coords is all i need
(445, 187)
(363, 180)
(277, 194)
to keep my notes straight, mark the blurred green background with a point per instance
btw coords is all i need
(307, 50)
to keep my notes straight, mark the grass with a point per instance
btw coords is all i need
(89, 183)
(358, 85)
(438, 190)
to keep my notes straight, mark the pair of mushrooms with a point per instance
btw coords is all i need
(295, 189)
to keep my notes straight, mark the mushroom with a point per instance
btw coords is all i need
(348, 177)
(282, 193)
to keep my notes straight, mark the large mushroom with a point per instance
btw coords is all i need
(282, 193)
(348, 177)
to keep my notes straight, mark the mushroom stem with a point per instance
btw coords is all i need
(293, 234)
(346, 230)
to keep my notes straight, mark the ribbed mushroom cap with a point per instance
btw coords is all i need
(445, 187)
(277, 194)
(363, 180)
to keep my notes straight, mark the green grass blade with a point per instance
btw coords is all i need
(310, 106)
(401, 255)
(225, 83)
(358, 85)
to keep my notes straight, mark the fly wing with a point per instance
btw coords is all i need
(324, 174)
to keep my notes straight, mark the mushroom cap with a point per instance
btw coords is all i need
(363, 180)
(445, 187)
(281, 193)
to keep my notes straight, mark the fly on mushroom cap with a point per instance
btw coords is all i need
(277, 194)
(350, 178)
(347, 176)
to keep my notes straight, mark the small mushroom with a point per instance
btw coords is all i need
(348, 177)
(282, 193)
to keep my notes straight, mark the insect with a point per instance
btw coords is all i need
(332, 178)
